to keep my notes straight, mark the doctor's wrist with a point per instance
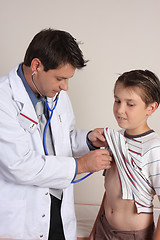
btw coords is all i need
(89, 143)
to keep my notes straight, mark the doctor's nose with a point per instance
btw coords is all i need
(64, 85)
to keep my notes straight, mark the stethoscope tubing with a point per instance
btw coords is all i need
(47, 124)
(80, 179)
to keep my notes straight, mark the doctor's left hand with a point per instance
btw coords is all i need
(96, 137)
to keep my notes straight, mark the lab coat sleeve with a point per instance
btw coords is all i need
(78, 138)
(22, 160)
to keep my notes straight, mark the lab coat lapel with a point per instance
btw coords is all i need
(22, 98)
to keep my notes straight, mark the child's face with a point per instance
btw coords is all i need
(130, 110)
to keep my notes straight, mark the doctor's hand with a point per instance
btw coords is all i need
(96, 137)
(94, 161)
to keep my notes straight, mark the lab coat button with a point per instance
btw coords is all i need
(43, 215)
(41, 236)
(46, 193)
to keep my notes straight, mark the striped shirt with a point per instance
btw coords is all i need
(138, 163)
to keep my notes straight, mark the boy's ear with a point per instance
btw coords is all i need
(151, 108)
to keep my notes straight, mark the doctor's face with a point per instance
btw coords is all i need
(54, 80)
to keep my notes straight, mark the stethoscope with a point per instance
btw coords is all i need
(47, 124)
(49, 109)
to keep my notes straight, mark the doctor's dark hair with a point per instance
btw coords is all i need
(147, 82)
(54, 48)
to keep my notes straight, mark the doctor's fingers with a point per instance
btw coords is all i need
(95, 134)
(103, 159)
(94, 161)
(98, 160)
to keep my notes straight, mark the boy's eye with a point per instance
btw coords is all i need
(117, 101)
(130, 104)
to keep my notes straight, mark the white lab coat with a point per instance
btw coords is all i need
(26, 174)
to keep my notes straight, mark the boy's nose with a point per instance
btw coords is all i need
(121, 108)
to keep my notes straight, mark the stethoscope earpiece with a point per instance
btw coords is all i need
(34, 71)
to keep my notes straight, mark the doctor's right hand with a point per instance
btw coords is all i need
(94, 161)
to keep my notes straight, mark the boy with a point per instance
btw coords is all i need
(134, 178)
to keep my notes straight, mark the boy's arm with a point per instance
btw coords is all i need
(157, 231)
(92, 234)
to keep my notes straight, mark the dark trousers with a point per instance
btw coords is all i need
(56, 228)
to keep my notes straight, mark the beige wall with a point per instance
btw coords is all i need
(117, 36)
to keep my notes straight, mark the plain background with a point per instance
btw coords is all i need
(115, 36)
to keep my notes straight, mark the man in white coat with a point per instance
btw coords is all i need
(36, 196)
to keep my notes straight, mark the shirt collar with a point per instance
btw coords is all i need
(137, 136)
(31, 94)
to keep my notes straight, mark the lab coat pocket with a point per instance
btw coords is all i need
(12, 216)
(27, 123)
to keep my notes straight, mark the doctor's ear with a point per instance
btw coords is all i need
(35, 65)
(151, 108)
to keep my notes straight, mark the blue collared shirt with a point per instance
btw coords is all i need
(33, 97)
(31, 94)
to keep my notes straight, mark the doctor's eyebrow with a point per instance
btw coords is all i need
(62, 78)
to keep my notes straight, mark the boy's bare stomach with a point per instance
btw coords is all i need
(122, 214)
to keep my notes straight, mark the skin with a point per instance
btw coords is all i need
(49, 84)
(130, 111)
(55, 79)
(131, 114)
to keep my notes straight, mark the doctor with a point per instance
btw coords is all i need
(36, 189)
